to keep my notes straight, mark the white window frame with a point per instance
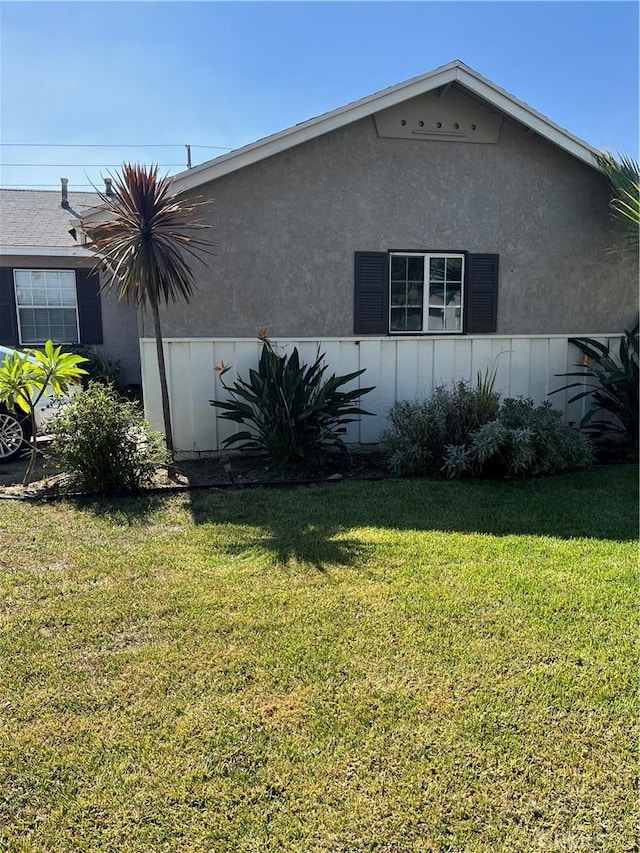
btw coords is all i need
(45, 307)
(426, 256)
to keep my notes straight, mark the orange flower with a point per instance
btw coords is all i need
(221, 368)
(262, 333)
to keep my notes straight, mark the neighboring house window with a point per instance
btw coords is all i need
(426, 293)
(47, 306)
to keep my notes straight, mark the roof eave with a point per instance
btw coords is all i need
(453, 72)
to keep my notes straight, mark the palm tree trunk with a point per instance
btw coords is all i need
(164, 391)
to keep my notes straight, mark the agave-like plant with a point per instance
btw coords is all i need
(614, 389)
(293, 411)
(146, 242)
(624, 180)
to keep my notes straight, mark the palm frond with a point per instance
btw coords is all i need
(148, 236)
(623, 174)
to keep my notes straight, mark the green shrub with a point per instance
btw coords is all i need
(421, 430)
(103, 442)
(293, 412)
(463, 431)
(523, 440)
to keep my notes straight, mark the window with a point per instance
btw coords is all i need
(426, 292)
(47, 306)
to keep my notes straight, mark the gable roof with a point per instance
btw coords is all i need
(33, 222)
(454, 73)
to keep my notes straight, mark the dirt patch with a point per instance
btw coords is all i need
(222, 471)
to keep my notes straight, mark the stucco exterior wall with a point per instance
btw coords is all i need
(287, 228)
(119, 320)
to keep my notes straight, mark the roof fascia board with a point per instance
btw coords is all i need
(308, 130)
(523, 113)
(46, 252)
(455, 71)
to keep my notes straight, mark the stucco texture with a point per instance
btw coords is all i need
(287, 228)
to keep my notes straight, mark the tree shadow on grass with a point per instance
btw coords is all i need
(311, 524)
(123, 510)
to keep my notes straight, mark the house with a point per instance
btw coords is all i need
(426, 232)
(45, 287)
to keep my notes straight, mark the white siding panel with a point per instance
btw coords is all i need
(400, 368)
(519, 368)
(151, 384)
(205, 434)
(406, 363)
(425, 367)
(179, 378)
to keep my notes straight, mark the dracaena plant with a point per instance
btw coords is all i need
(150, 236)
(293, 411)
(25, 378)
(611, 380)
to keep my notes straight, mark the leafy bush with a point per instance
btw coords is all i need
(523, 440)
(104, 443)
(615, 390)
(294, 413)
(96, 368)
(421, 430)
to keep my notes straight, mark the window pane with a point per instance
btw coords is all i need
(398, 268)
(414, 319)
(416, 269)
(436, 269)
(453, 294)
(436, 295)
(398, 319)
(398, 293)
(54, 296)
(23, 293)
(454, 269)
(452, 318)
(435, 319)
(415, 295)
(40, 324)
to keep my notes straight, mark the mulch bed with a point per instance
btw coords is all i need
(243, 471)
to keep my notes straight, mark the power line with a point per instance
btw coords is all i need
(97, 145)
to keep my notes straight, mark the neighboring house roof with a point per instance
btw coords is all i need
(33, 222)
(456, 73)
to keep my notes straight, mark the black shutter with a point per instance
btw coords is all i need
(371, 293)
(8, 319)
(89, 308)
(481, 301)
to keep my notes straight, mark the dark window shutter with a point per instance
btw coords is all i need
(89, 308)
(481, 301)
(371, 293)
(8, 319)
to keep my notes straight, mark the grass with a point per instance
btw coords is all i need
(389, 667)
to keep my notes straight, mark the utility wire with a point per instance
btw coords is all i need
(96, 145)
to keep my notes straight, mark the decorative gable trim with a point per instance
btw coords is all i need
(455, 72)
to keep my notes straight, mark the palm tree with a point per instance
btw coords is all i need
(145, 244)
(624, 182)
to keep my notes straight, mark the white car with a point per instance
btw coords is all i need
(15, 427)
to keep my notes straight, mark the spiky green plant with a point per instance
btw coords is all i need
(613, 386)
(146, 242)
(293, 412)
(624, 180)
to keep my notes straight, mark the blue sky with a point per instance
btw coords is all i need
(224, 74)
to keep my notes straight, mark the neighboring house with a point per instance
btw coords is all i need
(45, 287)
(425, 232)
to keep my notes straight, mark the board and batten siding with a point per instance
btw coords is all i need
(399, 368)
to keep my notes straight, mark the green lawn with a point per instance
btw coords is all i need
(389, 667)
